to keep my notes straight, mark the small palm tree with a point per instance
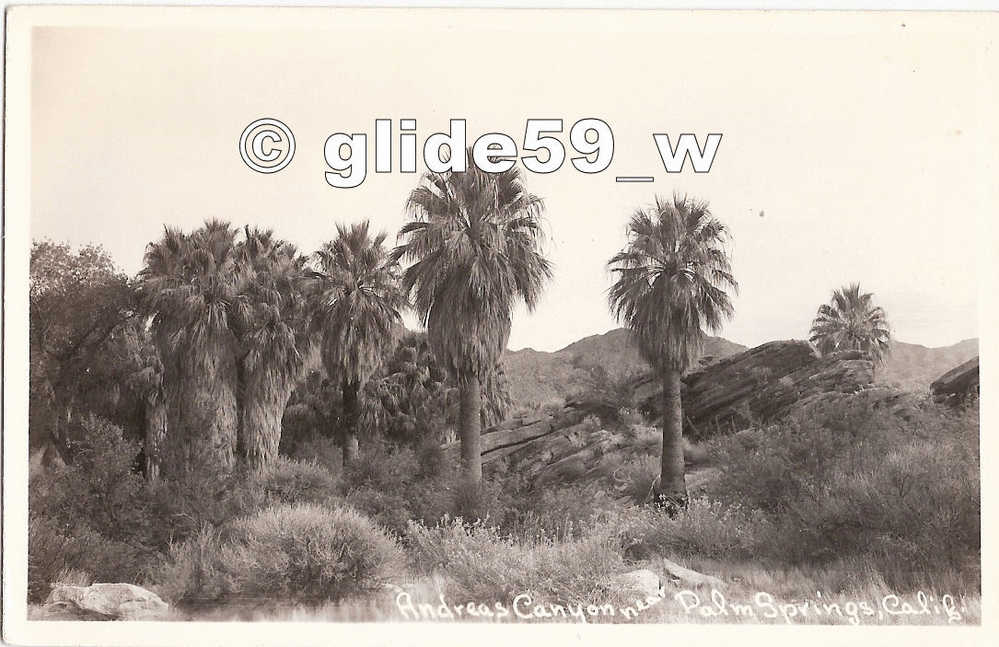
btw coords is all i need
(272, 337)
(851, 321)
(355, 303)
(474, 251)
(190, 287)
(672, 282)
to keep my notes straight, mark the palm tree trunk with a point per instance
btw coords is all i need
(201, 410)
(352, 413)
(470, 430)
(264, 402)
(672, 486)
(156, 431)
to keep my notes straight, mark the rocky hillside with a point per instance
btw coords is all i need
(748, 389)
(536, 378)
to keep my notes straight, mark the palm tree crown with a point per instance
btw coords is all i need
(672, 279)
(356, 300)
(474, 246)
(851, 321)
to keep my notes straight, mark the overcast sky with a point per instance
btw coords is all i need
(850, 153)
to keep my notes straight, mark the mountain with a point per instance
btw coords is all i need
(536, 378)
(913, 367)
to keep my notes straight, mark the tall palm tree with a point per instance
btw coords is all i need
(189, 285)
(474, 245)
(672, 283)
(272, 340)
(851, 321)
(355, 301)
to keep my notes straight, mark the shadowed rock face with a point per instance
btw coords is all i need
(957, 384)
(757, 386)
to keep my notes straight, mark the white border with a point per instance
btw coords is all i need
(17, 244)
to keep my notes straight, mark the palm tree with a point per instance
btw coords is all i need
(672, 282)
(189, 285)
(474, 247)
(272, 337)
(851, 321)
(355, 302)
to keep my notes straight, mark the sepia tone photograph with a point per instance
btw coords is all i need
(460, 317)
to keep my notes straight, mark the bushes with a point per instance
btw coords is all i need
(290, 481)
(92, 516)
(483, 565)
(68, 554)
(293, 552)
(859, 482)
(100, 518)
(705, 529)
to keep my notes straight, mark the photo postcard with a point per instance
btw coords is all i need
(409, 325)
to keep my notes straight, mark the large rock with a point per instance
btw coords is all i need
(103, 602)
(957, 384)
(757, 386)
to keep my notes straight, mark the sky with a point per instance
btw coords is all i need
(851, 144)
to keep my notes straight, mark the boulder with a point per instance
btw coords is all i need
(641, 581)
(957, 384)
(103, 601)
(678, 574)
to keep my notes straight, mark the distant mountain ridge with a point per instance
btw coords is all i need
(536, 378)
(914, 366)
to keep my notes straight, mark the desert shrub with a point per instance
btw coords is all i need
(565, 512)
(636, 477)
(430, 458)
(860, 482)
(704, 529)
(183, 506)
(193, 571)
(482, 564)
(486, 501)
(380, 466)
(56, 551)
(309, 553)
(92, 515)
(297, 553)
(322, 449)
(287, 480)
(98, 487)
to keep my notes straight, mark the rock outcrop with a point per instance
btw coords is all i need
(102, 602)
(757, 386)
(748, 389)
(957, 384)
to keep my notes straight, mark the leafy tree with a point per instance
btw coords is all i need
(272, 340)
(190, 286)
(474, 251)
(672, 282)
(851, 321)
(78, 302)
(355, 301)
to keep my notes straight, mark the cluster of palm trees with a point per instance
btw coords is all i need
(226, 315)
(235, 317)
